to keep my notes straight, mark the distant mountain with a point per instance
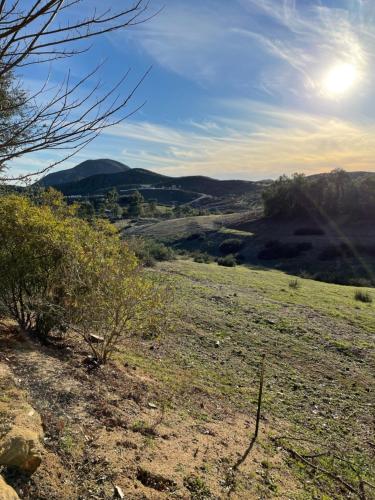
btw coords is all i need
(132, 178)
(85, 169)
(98, 176)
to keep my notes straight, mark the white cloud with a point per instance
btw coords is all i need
(282, 141)
(208, 42)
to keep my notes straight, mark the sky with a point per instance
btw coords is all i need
(248, 89)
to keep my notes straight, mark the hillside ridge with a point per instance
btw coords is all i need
(83, 170)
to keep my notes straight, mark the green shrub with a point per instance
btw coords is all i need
(231, 245)
(59, 272)
(202, 257)
(227, 261)
(150, 251)
(38, 244)
(362, 296)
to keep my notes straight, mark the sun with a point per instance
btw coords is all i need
(340, 79)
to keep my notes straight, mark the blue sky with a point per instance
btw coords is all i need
(238, 89)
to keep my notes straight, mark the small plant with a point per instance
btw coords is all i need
(197, 487)
(362, 296)
(230, 245)
(294, 284)
(227, 261)
(143, 428)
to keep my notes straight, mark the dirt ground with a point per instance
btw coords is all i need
(113, 430)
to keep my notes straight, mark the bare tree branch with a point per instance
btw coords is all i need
(71, 116)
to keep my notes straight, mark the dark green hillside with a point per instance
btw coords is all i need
(165, 189)
(82, 171)
(138, 177)
(211, 186)
(121, 180)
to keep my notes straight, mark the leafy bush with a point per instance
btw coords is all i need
(231, 245)
(309, 231)
(227, 261)
(159, 251)
(202, 258)
(275, 249)
(362, 296)
(37, 247)
(59, 272)
(149, 251)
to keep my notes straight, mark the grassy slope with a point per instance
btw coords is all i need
(319, 348)
(199, 398)
(175, 229)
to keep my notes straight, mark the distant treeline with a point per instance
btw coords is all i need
(336, 194)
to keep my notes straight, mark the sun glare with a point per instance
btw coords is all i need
(340, 79)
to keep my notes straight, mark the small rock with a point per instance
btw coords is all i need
(20, 448)
(152, 405)
(217, 344)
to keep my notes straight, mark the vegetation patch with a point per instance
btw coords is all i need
(149, 251)
(227, 261)
(231, 246)
(155, 481)
(294, 284)
(198, 488)
(362, 296)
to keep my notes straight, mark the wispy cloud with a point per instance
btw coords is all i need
(251, 104)
(201, 42)
(289, 142)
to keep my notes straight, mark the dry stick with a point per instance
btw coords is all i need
(321, 469)
(255, 436)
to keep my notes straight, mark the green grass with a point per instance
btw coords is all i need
(234, 232)
(318, 342)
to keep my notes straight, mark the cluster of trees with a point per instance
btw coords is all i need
(131, 206)
(59, 272)
(181, 211)
(331, 195)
